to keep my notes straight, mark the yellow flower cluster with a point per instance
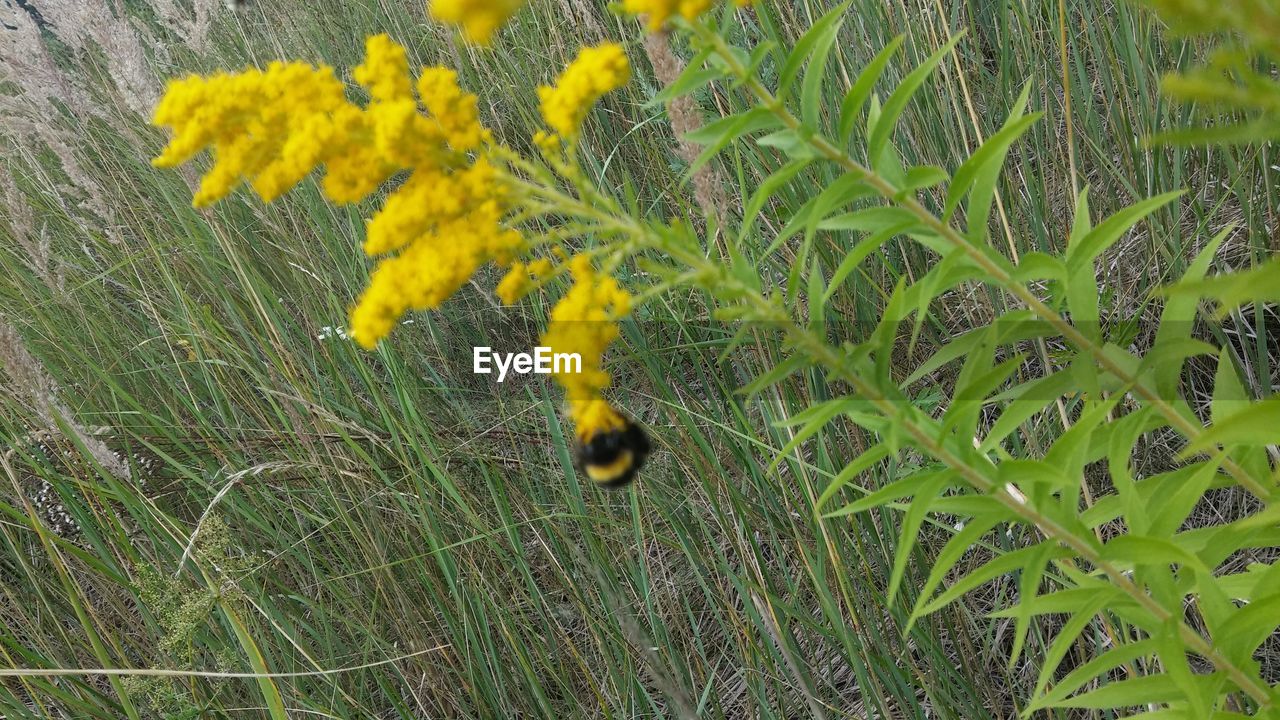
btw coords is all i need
(594, 72)
(521, 279)
(658, 12)
(273, 127)
(249, 119)
(585, 322)
(479, 19)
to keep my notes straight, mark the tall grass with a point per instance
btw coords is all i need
(401, 538)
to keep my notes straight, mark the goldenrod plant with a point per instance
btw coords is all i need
(958, 376)
(1181, 635)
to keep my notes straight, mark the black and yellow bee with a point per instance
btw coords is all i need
(612, 458)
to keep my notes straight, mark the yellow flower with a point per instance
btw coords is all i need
(479, 19)
(520, 279)
(385, 70)
(248, 120)
(596, 71)
(658, 12)
(273, 127)
(428, 271)
(585, 322)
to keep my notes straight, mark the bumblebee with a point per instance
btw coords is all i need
(610, 459)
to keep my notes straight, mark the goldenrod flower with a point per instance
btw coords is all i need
(585, 322)
(385, 70)
(521, 279)
(596, 71)
(274, 127)
(454, 110)
(478, 19)
(429, 270)
(658, 12)
(248, 119)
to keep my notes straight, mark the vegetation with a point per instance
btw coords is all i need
(956, 338)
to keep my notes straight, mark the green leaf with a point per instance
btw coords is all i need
(960, 543)
(814, 419)
(1094, 668)
(1177, 318)
(1082, 253)
(768, 187)
(869, 457)
(870, 219)
(1028, 587)
(921, 176)
(899, 488)
(993, 150)
(897, 102)
(1028, 399)
(1229, 396)
(719, 134)
(1259, 285)
(1249, 627)
(1014, 327)
(860, 252)
(1065, 638)
(1140, 550)
(811, 86)
(1037, 265)
(733, 127)
(1257, 424)
(926, 492)
(1001, 565)
(817, 300)
(1019, 473)
(775, 374)
(857, 96)
(806, 45)
(1140, 690)
(694, 76)
(791, 143)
